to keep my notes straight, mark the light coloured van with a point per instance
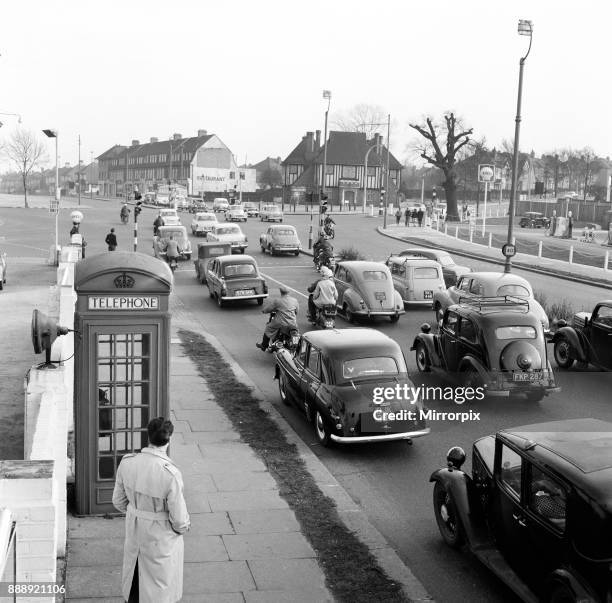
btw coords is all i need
(416, 279)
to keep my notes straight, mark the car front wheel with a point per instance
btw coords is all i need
(282, 389)
(321, 430)
(563, 353)
(446, 516)
(439, 312)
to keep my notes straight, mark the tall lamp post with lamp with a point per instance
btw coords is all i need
(55, 134)
(323, 197)
(525, 28)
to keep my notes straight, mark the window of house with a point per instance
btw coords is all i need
(329, 169)
(232, 175)
(292, 169)
(371, 171)
(349, 171)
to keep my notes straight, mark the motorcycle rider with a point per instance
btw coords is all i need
(159, 221)
(322, 249)
(173, 250)
(322, 293)
(125, 213)
(328, 225)
(286, 309)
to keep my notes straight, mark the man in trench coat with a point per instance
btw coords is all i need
(149, 490)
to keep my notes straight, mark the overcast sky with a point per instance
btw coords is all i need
(253, 72)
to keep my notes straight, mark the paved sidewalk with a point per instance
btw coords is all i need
(428, 236)
(245, 544)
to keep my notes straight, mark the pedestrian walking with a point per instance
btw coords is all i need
(149, 490)
(111, 240)
(420, 217)
(570, 225)
(398, 216)
(406, 216)
(413, 216)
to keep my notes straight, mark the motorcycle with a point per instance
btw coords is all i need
(326, 317)
(125, 218)
(324, 258)
(286, 337)
(173, 263)
(328, 229)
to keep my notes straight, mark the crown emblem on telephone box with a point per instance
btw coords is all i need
(124, 281)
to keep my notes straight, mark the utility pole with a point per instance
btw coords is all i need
(387, 180)
(79, 172)
(91, 175)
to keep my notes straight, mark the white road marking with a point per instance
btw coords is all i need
(283, 284)
(283, 266)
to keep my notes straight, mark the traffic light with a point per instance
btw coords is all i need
(382, 195)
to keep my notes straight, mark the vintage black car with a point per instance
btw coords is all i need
(496, 343)
(537, 509)
(338, 378)
(588, 340)
(534, 219)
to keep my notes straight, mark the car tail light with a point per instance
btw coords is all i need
(265, 287)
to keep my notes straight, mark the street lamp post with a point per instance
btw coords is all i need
(55, 134)
(326, 95)
(525, 28)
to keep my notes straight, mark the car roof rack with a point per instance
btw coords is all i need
(498, 300)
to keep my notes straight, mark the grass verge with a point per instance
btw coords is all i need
(351, 572)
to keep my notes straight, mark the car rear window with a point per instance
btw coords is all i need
(177, 234)
(284, 232)
(359, 368)
(374, 275)
(226, 230)
(239, 270)
(430, 272)
(513, 290)
(207, 218)
(516, 332)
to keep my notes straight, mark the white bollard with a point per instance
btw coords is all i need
(606, 258)
(490, 239)
(456, 232)
(571, 254)
(539, 249)
(445, 228)
(471, 235)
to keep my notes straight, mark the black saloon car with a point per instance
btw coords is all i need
(537, 509)
(588, 340)
(353, 385)
(534, 219)
(496, 343)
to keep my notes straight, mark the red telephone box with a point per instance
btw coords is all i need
(122, 366)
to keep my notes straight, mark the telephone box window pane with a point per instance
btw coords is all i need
(104, 346)
(121, 394)
(104, 371)
(141, 417)
(140, 394)
(124, 442)
(106, 467)
(104, 443)
(144, 440)
(137, 370)
(146, 345)
(121, 418)
(121, 371)
(121, 345)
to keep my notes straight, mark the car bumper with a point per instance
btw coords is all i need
(418, 302)
(239, 246)
(291, 249)
(372, 313)
(388, 437)
(237, 297)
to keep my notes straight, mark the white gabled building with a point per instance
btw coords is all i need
(203, 164)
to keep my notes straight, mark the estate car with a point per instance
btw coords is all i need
(537, 508)
(588, 340)
(488, 284)
(496, 343)
(450, 269)
(335, 378)
(228, 233)
(416, 278)
(365, 289)
(232, 278)
(280, 239)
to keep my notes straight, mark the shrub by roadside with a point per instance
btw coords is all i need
(558, 310)
(351, 572)
(350, 253)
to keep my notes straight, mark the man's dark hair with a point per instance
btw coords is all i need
(160, 431)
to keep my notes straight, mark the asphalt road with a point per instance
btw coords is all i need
(390, 482)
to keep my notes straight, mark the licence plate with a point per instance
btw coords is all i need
(380, 295)
(534, 376)
(427, 294)
(245, 292)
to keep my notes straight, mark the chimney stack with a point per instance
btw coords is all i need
(135, 143)
(154, 139)
(310, 142)
(318, 139)
(202, 132)
(176, 137)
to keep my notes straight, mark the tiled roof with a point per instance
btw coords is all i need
(306, 178)
(190, 145)
(297, 155)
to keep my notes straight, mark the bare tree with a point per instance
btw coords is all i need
(361, 119)
(271, 177)
(27, 153)
(444, 154)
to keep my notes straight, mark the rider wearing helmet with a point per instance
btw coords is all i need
(322, 293)
(173, 249)
(125, 211)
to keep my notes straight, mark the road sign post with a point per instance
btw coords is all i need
(486, 173)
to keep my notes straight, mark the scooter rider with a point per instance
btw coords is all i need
(286, 309)
(322, 293)
(159, 221)
(173, 250)
(322, 246)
